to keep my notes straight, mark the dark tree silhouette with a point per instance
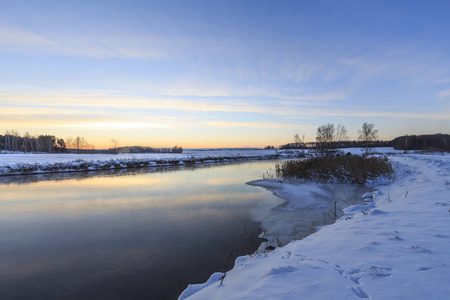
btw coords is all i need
(368, 135)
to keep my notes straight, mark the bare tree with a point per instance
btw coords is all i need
(15, 140)
(325, 137)
(74, 143)
(7, 141)
(341, 134)
(78, 143)
(27, 140)
(36, 140)
(69, 142)
(368, 135)
(114, 144)
(297, 141)
(303, 144)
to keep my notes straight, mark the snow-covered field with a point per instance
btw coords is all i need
(33, 163)
(396, 246)
(12, 164)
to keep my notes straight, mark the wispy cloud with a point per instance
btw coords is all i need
(92, 108)
(444, 94)
(15, 39)
(255, 125)
(118, 43)
(191, 100)
(443, 80)
(370, 113)
(399, 63)
(191, 90)
(87, 45)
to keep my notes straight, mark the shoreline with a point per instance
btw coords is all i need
(394, 246)
(300, 208)
(105, 163)
(34, 163)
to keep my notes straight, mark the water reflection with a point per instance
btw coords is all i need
(126, 234)
(57, 176)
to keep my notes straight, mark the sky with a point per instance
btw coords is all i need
(222, 73)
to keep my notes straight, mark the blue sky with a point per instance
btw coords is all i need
(223, 73)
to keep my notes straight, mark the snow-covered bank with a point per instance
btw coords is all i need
(14, 164)
(396, 247)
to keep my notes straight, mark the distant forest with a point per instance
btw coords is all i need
(426, 142)
(12, 141)
(139, 149)
(336, 145)
(439, 142)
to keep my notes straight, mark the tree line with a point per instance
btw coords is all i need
(12, 141)
(140, 149)
(439, 142)
(330, 137)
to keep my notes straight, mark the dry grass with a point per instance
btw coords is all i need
(342, 169)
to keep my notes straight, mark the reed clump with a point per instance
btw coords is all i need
(341, 169)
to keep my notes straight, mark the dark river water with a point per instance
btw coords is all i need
(140, 234)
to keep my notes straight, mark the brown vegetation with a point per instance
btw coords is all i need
(342, 169)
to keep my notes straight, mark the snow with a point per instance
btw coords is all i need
(32, 163)
(394, 246)
(37, 163)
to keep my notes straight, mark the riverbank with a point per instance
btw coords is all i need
(32, 163)
(41, 163)
(396, 246)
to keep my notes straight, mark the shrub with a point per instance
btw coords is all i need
(342, 169)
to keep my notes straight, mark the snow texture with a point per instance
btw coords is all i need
(396, 246)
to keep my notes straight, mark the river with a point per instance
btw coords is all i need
(133, 234)
(138, 234)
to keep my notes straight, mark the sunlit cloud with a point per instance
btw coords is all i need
(23, 111)
(36, 101)
(116, 125)
(73, 105)
(184, 91)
